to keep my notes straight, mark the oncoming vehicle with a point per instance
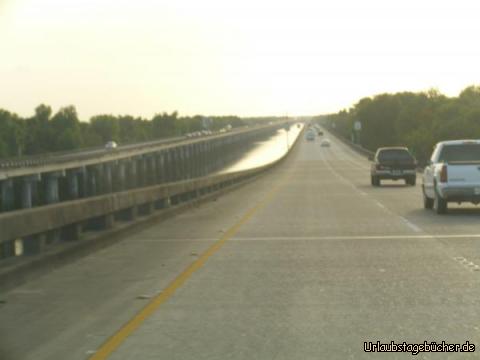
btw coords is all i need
(393, 163)
(325, 143)
(452, 175)
(111, 145)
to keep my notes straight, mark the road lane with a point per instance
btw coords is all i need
(328, 263)
(277, 292)
(406, 201)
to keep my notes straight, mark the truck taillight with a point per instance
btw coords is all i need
(443, 174)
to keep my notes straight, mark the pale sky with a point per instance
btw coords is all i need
(219, 57)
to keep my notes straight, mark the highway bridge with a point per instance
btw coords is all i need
(50, 199)
(304, 260)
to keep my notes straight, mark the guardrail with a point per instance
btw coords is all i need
(87, 153)
(70, 155)
(31, 233)
(57, 162)
(356, 147)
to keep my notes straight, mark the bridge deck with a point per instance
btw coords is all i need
(307, 262)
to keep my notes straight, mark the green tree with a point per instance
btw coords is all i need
(65, 129)
(105, 126)
(165, 125)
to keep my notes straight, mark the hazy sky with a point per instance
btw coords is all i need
(248, 57)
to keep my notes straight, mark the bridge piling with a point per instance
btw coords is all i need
(103, 184)
(107, 178)
(8, 198)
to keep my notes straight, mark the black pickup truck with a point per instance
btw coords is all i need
(393, 163)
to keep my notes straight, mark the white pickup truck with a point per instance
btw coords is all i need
(452, 175)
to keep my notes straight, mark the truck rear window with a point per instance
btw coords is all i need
(394, 154)
(460, 152)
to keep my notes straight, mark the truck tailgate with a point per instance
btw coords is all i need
(464, 174)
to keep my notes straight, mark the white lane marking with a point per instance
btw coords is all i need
(333, 237)
(410, 224)
(350, 155)
(346, 181)
(380, 205)
(469, 265)
(357, 237)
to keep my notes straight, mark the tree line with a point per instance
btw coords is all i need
(46, 132)
(417, 120)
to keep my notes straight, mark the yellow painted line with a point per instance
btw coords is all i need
(121, 335)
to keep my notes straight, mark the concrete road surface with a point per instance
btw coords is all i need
(308, 262)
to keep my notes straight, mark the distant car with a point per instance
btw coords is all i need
(320, 133)
(111, 145)
(393, 163)
(310, 135)
(452, 175)
(325, 143)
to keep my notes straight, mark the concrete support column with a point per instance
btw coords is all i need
(133, 176)
(121, 179)
(152, 169)
(52, 197)
(206, 158)
(131, 213)
(52, 189)
(220, 153)
(26, 193)
(140, 171)
(160, 167)
(182, 163)
(92, 181)
(145, 172)
(35, 243)
(188, 161)
(72, 232)
(214, 155)
(83, 186)
(73, 184)
(200, 159)
(7, 249)
(171, 165)
(109, 221)
(193, 156)
(8, 196)
(29, 190)
(175, 163)
(165, 166)
(103, 222)
(100, 179)
(146, 209)
(107, 178)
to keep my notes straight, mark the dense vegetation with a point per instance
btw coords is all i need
(47, 132)
(416, 120)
